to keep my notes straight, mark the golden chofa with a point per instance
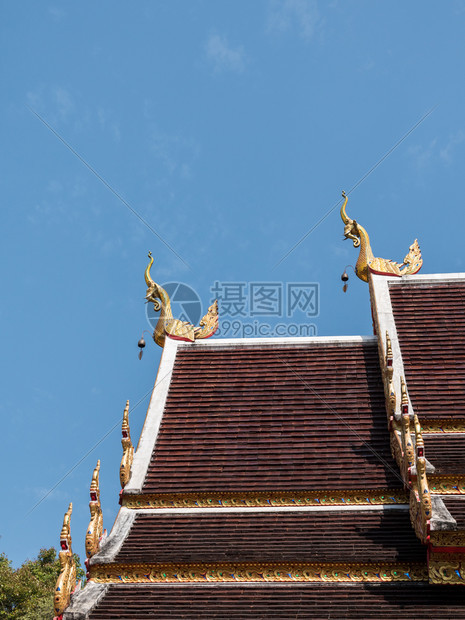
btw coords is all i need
(167, 325)
(366, 262)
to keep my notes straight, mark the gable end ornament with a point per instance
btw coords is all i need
(367, 262)
(167, 325)
(66, 582)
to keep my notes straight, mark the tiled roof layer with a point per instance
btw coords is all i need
(446, 453)
(430, 322)
(282, 418)
(333, 535)
(388, 601)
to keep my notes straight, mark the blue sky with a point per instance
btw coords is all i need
(232, 129)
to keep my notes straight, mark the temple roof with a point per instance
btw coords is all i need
(311, 536)
(245, 417)
(430, 322)
(306, 477)
(328, 600)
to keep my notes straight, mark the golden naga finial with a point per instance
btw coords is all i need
(407, 445)
(66, 581)
(390, 371)
(419, 443)
(422, 480)
(128, 449)
(403, 396)
(167, 325)
(366, 262)
(95, 529)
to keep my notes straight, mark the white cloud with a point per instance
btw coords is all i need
(432, 153)
(421, 155)
(107, 122)
(286, 15)
(63, 101)
(446, 153)
(56, 13)
(177, 153)
(223, 56)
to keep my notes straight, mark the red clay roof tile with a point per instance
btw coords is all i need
(310, 536)
(281, 418)
(430, 322)
(387, 601)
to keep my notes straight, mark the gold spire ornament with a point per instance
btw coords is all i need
(167, 325)
(407, 446)
(128, 449)
(95, 529)
(367, 262)
(66, 581)
(421, 488)
(389, 360)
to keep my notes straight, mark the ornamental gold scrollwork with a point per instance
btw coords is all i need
(391, 395)
(128, 449)
(167, 325)
(420, 496)
(95, 529)
(446, 484)
(366, 262)
(445, 425)
(442, 538)
(416, 516)
(266, 499)
(446, 571)
(396, 448)
(66, 581)
(260, 572)
(422, 480)
(407, 444)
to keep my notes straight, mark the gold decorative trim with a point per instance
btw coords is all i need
(66, 581)
(447, 568)
(424, 494)
(389, 384)
(396, 448)
(448, 539)
(407, 444)
(445, 425)
(266, 499)
(446, 485)
(95, 528)
(128, 449)
(261, 572)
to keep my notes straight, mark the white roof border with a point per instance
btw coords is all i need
(282, 341)
(152, 422)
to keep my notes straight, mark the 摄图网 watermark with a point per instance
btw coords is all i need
(238, 301)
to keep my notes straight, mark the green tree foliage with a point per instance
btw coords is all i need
(27, 592)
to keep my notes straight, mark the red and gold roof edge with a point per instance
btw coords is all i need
(446, 484)
(266, 499)
(260, 572)
(446, 568)
(441, 425)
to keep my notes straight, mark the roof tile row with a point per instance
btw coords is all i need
(281, 418)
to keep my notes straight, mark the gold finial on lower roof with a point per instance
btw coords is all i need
(66, 581)
(128, 449)
(389, 363)
(95, 529)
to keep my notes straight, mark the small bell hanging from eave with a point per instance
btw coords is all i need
(345, 278)
(141, 345)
